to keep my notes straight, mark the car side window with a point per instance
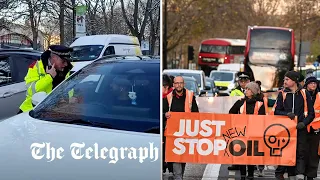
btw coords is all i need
(5, 70)
(109, 51)
(21, 63)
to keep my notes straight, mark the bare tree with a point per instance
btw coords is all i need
(137, 29)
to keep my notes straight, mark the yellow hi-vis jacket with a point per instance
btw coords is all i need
(37, 80)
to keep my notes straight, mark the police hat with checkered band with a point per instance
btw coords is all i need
(243, 75)
(61, 51)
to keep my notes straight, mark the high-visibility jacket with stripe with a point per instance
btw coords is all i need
(37, 80)
(236, 92)
(243, 108)
(315, 124)
(187, 102)
(284, 94)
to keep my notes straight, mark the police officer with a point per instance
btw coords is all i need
(313, 137)
(46, 73)
(295, 101)
(244, 79)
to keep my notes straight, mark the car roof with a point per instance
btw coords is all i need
(20, 51)
(184, 71)
(233, 72)
(189, 78)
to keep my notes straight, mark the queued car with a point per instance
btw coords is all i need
(197, 74)
(105, 109)
(225, 81)
(191, 84)
(14, 65)
(213, 89)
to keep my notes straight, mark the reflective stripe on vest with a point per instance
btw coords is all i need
(187, 102)
(284, 95)
(243, 108)
(315, 124)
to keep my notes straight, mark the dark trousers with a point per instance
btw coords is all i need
(165, 164)
(300, 156)
(312, 157)
(243, 170)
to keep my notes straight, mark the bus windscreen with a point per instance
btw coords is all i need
(270, 39)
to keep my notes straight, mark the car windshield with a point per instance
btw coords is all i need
(120, 95)
(86, 53)
(191, 85)
(194, 75)
(221, 76)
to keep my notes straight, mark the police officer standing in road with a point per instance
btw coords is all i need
(244, 79)
(45, 74)
(179, 100)
(295, 101)
(313, 137)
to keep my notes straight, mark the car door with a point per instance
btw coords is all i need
(13, 91)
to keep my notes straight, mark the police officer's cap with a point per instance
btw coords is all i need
(243, 75)
(61, 51)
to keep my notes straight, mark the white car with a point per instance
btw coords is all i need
(108, 128)
(197, 74)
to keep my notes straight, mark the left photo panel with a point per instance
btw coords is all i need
(80, 89)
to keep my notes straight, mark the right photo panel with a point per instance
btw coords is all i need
(240, 89)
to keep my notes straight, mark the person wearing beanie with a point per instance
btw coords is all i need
(313, 137)
(247, 105)
(301, 79)
(47, 73)
(291, 102)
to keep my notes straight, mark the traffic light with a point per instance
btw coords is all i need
(190, 53)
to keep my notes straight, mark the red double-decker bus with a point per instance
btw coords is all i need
(269, 54)
(217, 51)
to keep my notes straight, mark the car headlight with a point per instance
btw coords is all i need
(231, 86)
(221, 60)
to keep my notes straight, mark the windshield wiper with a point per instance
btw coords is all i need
(153, 130)
(85, 122)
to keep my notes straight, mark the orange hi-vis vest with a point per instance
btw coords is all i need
(187, 103)
(315, 124)
(284, 95)
(243, 108)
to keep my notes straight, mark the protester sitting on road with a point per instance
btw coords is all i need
(252, 103)
(295, 101)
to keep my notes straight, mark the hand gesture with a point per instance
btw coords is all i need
(168, 115)
(52, 71)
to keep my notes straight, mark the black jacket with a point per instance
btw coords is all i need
(235, 109)
(296, 99)
(177, 105)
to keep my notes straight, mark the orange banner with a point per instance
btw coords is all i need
(208, 138)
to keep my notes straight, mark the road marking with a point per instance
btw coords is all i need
(211, 171)
(271, 167)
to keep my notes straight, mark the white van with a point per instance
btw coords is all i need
(89, 48)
